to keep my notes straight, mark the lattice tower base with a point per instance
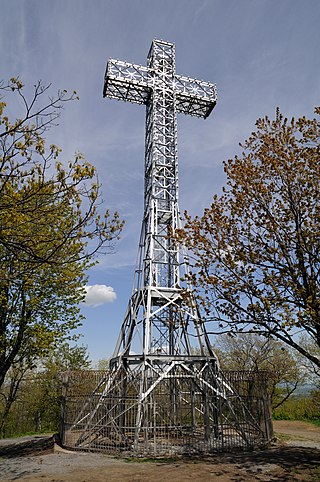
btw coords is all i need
(186, 408)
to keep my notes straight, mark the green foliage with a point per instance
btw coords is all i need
(302, 407)
(253, 352)
(311, 370)
(51, 227)
(37, 403)
(316, 422)
(103, 364)
(256, 249)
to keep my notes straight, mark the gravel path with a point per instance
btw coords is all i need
(296, 459)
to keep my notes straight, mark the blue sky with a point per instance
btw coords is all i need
(260, 53)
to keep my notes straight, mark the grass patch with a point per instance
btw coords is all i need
(282, 436)
(315, 474)
(315, 422)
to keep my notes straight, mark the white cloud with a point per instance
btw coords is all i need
(97, 295)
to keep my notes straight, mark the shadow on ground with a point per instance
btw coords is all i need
(35, 459)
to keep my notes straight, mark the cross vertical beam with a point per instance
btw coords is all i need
(154, 314)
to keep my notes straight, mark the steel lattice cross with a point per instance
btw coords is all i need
(154, 309)
(164, 394)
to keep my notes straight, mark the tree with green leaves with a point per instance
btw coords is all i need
(248, 351)
(52, 225)
(311, 370)
(255, 252)
(30, 399)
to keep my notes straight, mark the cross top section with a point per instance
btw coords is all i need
(135, 83)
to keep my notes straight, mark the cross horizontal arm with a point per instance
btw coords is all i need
(194, 97)
(126, 81)
(133, 83)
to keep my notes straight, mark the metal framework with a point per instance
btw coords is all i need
(164, 376)
(155, 324)
(99, 416)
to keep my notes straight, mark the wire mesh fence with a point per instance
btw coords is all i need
(178, 413)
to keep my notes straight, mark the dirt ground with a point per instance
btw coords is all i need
(295, 457)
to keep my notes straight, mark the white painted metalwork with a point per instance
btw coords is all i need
(155, 314)
(164, 382)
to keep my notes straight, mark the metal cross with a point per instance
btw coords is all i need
(156, 297)
(163, 394)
